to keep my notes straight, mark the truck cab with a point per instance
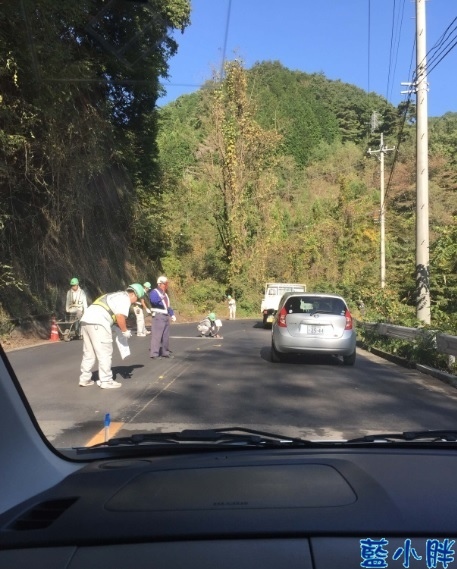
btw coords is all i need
(272, 296)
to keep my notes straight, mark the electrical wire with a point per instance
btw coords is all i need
(439, 56)
(395, 48)
(396, 152)
(227, 26)
(396, 30)
(440, 50)
(391, 49)
(443, 46)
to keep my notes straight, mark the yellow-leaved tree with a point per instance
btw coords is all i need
(238, 160)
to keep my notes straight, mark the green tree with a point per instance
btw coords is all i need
(78, 86)
(443, 259)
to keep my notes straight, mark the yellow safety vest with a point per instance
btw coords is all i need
(101, 301)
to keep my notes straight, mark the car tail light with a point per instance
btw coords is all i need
(348, 320)
(282, 318)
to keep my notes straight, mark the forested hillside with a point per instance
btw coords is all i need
(264, 176)
(271, 173)
(79, 178)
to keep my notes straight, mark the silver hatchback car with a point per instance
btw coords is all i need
(313, 323)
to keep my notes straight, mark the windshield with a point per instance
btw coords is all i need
(223, 223)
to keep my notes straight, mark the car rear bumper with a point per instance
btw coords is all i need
(287, 344)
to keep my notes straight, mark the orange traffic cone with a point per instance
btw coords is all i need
(54, 337)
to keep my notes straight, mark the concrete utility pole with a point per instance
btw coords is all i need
(422, 215)
(382, 216)
(422, 211)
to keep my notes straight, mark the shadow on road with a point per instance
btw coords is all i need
(260, 325)
(265, 354)
(124, 371)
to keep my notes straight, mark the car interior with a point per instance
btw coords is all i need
(307, 305)
(232, 497)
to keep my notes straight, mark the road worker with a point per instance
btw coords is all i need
(76, 304)
(108, 312)
(139, 308)
(163, 313)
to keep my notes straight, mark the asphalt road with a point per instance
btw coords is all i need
(228, 382)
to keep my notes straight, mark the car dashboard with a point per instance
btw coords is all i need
(373, 506)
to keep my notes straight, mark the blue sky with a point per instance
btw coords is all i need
(332, 37)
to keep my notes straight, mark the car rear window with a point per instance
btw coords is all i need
(311, 304)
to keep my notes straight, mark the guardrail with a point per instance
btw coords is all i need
(445, 343)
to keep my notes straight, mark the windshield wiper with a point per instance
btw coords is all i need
(242, 437)
(407, 436)
(236, 436)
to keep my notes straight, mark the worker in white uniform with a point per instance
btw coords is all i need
(76, 304)
(108, 311)
(232, 307)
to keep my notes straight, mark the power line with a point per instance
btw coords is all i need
(390, 52)
(440, 50)
(397, 25)
(227, 26)
(442, 55)
(440, 44)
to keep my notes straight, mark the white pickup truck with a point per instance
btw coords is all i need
(273, 294)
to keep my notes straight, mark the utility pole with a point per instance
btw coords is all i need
(382, 217)
(422, 215)
(422, 205)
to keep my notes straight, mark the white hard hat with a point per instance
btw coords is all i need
(162, 279)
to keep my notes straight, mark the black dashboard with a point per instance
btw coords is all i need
(316, 508)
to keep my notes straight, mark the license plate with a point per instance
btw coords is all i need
(315, 330)
(270, 318)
